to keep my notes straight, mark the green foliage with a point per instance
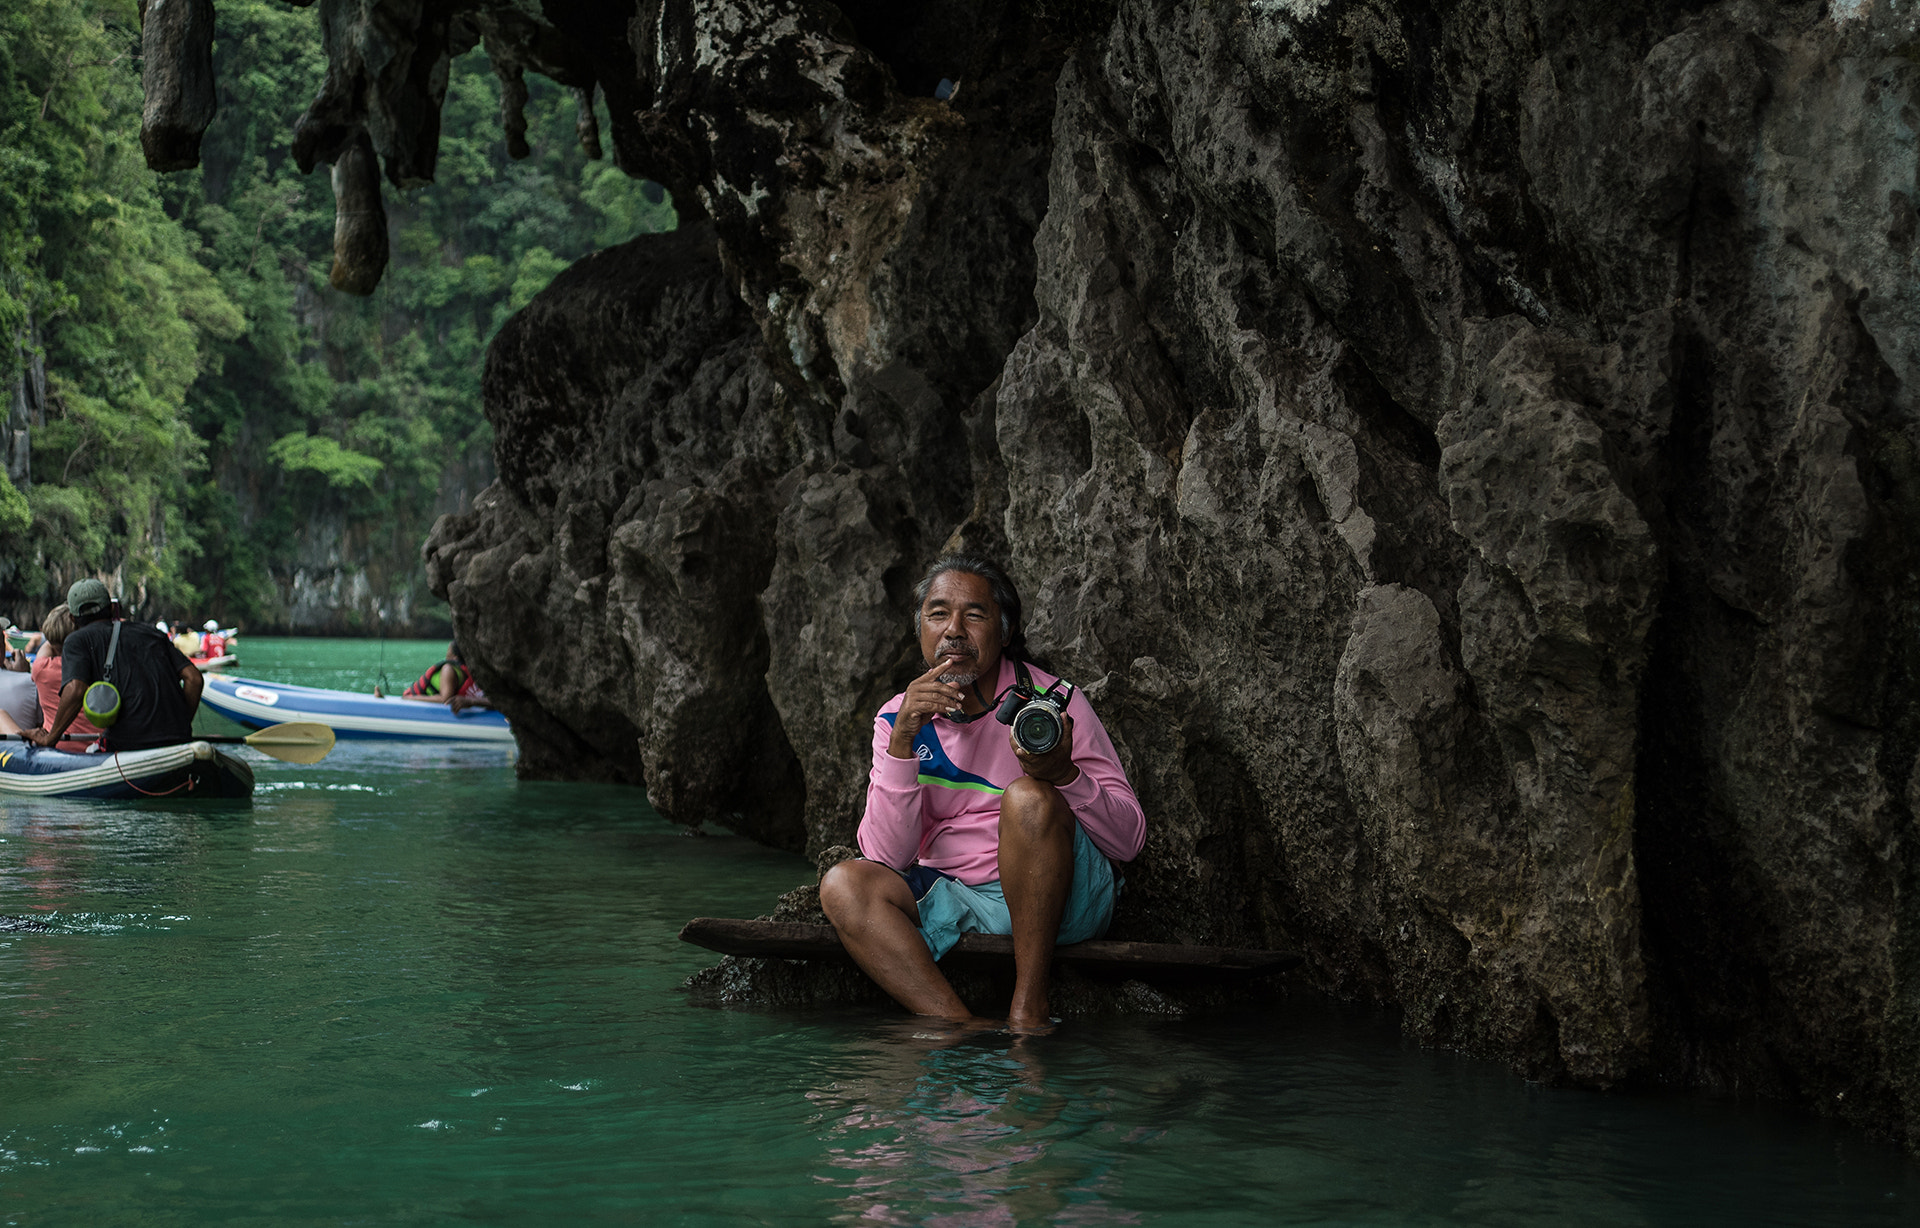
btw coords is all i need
(15, 515)
(214, 403)
(343, 411)
(125, 308)
(341, 467)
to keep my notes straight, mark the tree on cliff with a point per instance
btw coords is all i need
(216, 412)
(97, 280)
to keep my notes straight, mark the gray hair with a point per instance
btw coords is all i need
(1005, 595)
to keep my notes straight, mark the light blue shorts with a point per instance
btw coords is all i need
(950, 908)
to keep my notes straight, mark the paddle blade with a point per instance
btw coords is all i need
(293, 742)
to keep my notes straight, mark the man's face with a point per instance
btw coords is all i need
(960, 619)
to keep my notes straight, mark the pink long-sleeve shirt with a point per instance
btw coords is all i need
(942, 809)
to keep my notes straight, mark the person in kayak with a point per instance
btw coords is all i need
(21, 645)
(185, 639)
(450, 682)
(19, 702)
(967, 831)
(159, 688)
(56, 627)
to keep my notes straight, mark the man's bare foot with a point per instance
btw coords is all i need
(955, 1029)
(936, 1031)
(1023, 1023)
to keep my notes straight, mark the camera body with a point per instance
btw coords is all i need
(1035, 715)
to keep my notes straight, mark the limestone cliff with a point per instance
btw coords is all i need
(1466, 450)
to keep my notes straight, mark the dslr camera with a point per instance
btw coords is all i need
(1035, 715)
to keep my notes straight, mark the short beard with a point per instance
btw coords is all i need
(963, 676)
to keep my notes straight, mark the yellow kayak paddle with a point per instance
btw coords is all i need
(293, 742)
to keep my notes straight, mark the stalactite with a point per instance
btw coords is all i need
(588, 125)
(513, 107)
(176, 46)
(359, 220)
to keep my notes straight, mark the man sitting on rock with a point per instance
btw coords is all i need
(964, 830)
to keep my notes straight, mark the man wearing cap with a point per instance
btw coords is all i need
(159, 688)
(213, 645)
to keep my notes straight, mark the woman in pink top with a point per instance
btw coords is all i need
(57, 626)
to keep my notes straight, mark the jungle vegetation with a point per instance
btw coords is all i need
(214, 412)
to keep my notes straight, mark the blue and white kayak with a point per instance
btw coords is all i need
(256, 704)
(192, 771)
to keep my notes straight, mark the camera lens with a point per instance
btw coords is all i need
(1037, 729)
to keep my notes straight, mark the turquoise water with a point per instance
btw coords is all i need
(403, 988)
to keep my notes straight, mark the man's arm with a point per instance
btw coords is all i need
(77, 671)
(926, 697)
(192, 682)
(70, 696)
(890, 831)
(1101, 798)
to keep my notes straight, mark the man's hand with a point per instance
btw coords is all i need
(927, 697)
(63, 717)
(1056, 767)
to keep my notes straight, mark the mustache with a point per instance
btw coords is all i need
(960, 649)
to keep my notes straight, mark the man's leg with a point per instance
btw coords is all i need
(878, 922)
(1036, 872)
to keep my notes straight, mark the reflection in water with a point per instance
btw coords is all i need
(404, 987)
(959, 1128)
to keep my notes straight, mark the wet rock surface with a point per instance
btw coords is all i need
(1468, 455)
(176, 49)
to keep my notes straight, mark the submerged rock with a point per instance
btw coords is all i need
(1468, 454)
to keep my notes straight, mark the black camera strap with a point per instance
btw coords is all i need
(1021, 679)
(1060, 692)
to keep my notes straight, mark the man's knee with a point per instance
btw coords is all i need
(852, 885)
(839, 889)
(1034, 810)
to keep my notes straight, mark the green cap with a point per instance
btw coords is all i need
(86, 597)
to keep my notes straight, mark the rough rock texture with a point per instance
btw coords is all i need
(359, 220)
(757, 536)
(595, 585)
(176, 52)
(1467, 451)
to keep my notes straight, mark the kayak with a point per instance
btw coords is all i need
(220, 662)
(192, 770)
(256, 704)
